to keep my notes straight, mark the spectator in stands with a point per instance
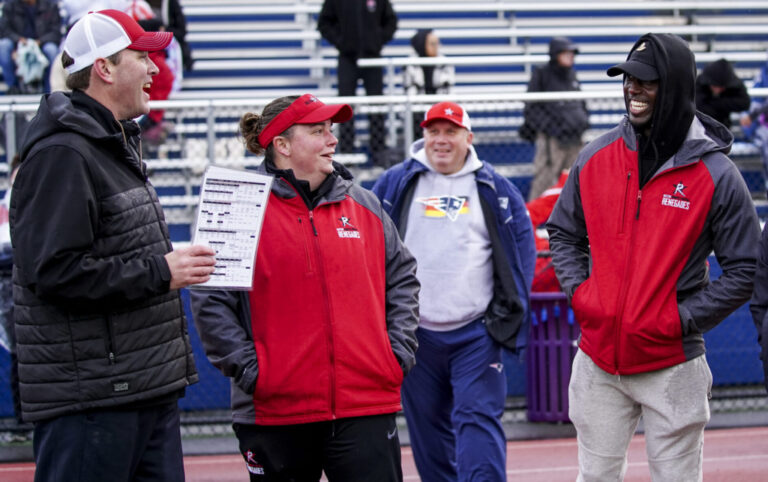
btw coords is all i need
(359, 29)
(153, 129)
(72, 11)
(755, 124)
(559, 125)
(539, 209)
(172, 15)
(427, 79)
(317, 350)
(634, 267)
(24, 22)
(468, 228)
(102, 342)
(720, 92)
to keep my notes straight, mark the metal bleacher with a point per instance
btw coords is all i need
(258, 48)
(248, 52)
(259, 45)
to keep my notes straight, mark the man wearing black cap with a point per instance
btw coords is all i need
(656, 195)
(558, 125)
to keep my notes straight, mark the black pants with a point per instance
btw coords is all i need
(349, 449)
(111, 445)
(348, 73)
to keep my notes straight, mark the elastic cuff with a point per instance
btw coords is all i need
(162, 268)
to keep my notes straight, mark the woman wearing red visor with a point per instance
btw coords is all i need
(317, 350)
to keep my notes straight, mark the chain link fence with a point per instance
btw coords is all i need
(201, 133)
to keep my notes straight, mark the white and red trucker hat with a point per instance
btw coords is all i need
(106, 32)
(449, 111)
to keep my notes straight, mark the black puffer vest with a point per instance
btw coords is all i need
(84, 351)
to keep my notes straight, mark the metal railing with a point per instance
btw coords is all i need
(205, 132)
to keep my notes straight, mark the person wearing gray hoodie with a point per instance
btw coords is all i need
(470, 233)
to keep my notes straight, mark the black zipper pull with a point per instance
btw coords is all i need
(639, 199)
(312, 222)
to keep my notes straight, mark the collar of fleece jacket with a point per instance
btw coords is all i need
(675, 103)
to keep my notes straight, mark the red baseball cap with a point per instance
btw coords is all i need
(307, 109)
(106, 32)
(449, 111)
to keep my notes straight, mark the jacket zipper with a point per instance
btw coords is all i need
(110, 342)
(168, 244)
(625, 289)
(307, 255)
(327, 303)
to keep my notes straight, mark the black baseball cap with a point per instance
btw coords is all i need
(640, 64)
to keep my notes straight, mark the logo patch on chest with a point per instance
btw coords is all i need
(442, 206)
(678, 198)
(347, 229)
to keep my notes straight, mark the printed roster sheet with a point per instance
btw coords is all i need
(229, 219)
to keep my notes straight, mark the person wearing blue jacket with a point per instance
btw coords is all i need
(470, 233)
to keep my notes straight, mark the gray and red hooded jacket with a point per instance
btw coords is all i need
(632, 259)
(328, 329)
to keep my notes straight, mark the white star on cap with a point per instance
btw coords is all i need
(449, 111)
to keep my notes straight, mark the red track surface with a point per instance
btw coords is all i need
(729, 455)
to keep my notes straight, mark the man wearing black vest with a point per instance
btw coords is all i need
(102, 343)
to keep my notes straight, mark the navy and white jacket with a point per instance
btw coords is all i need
(511, 233)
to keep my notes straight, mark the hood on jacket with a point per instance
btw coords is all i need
(675, 106)
(556, 46)
(58, 113)
(561, 44)
(719, 73)
(705, 136)
(419, 41)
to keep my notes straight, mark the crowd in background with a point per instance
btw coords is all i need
(31, 32)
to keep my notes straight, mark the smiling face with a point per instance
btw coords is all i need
(446, 146)
(132, 77)
(640, 99)
(308, 151)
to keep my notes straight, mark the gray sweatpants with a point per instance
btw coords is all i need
(605, 409)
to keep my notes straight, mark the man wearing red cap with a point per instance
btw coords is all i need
(469, 230)
(103, 348)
